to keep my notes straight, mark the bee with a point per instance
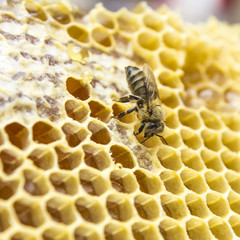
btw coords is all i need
(144, 90)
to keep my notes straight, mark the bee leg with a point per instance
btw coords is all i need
(162, 138)
(126, 112)
(140, 129)
(146, 139)
(129, 98)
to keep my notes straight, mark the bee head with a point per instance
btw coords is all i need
(153, 128)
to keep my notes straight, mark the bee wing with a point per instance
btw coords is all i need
(151, 85)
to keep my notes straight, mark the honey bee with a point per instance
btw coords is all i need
(144, 90)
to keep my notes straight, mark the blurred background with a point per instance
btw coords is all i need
(191, 10)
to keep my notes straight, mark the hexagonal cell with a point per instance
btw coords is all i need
(217, 204)
(148, 40)
(35, 10)
(18, 135)
(169, 58)
(148, 183)
(191, 159)
(92, 182)
(232, 95)
(169, 158)
(232, 121)
(78, 88)
(235, 224)
(123, 181)
(211, 139)
(59, 12)
(198, 230)
(234, 181)
(23, 236)
(170, 230)
(99, 110)
(96, 157)
(231, 141)
(196, 205)
(172, 182)
(64, 183)
(127, 22)
(220, 229)
(212, 160)
(85, 232)
(144, 231)
(153, 21)
(119, 207)
(122, 155)
(42, 157)
(216, 182)
(169, 78)
(8, 188)
(5, 221)
(101, 37)
(210, 95)
(29, 212)
(191, 138)
(45, 133)
(100, 134)
(173, 39)
(76, 110)
(173, 138)
(169, 97)
(193, 181)
(231, 160)
(61, 210)
(119, 108)
(147, 207)
(116, 231)
(234, 201)
(74, 134)
(103, 17)
(90, 209)
(55, 233)
(211, 120)
(78, 32)
(174, 207)
(11, 160)
(35, 182)
(189, 118)
(171, 118)
(66, 159)
(216, 74)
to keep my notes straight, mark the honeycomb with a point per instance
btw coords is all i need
(69, 171)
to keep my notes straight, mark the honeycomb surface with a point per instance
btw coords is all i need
(69, 171)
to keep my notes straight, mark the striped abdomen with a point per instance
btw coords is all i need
(136, 81)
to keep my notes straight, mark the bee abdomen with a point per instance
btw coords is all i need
(136, 81)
